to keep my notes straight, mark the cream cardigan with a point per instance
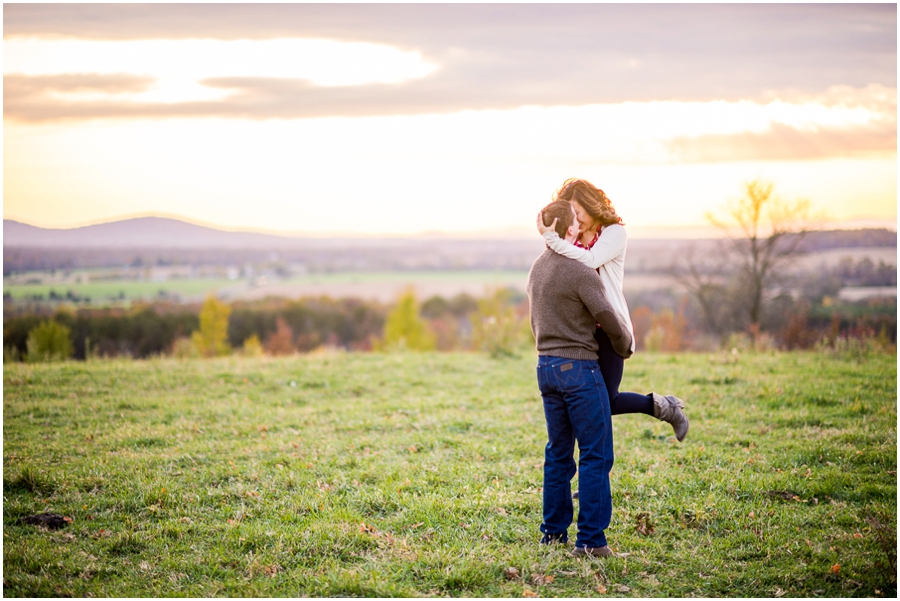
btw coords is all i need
(608, 257)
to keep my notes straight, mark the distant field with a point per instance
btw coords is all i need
(420, 475)
(99, 292)
(383, 286)
(380, 286)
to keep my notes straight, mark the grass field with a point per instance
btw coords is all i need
(103, 292)
(414, 475)
(381, 285)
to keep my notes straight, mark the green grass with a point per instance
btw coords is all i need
(101, 292)
(420, 475)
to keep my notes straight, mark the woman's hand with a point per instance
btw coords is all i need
(542, 229)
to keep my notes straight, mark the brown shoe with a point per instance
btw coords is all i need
(603, 551)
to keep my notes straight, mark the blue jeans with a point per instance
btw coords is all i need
(576, 406)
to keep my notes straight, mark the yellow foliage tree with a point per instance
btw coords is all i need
(495, 326)
(405, 329)
(253, 347)
(212, 337)
(49, 341)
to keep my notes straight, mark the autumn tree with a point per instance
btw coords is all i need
(763, 233)
(49, 341)
(496, 328)
(281, 341)
(212, 337)
(405, 328)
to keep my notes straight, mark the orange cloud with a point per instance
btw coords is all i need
(782, 142)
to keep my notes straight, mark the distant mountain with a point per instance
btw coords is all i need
(142, 232)
(149, 241)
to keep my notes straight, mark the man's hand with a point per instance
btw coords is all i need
(542, 229)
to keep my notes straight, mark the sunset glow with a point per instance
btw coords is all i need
(273, 133)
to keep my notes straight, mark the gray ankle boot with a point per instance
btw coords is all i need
(669, 409)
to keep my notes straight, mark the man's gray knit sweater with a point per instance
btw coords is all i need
(567, 303)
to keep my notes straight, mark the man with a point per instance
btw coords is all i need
(566, 300)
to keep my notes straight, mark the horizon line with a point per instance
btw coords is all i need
(510, 232)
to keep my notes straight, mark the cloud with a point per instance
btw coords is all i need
(495, 56)
(785, 143)
(18, 87)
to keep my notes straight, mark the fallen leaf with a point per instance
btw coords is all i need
(511, 573)
(412, 448)
(529, 593)
(501, 511)
(601, 589)
(643, 524)
(857, 535)
(836, 569)
(622, 588)
(367, 528)
(752, 515)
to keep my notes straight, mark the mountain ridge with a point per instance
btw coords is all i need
(139, 232)
(168, 232)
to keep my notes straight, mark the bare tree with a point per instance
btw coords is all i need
(762, 234)
(769, 233)
(704, 276)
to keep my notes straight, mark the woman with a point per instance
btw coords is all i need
(601, 246)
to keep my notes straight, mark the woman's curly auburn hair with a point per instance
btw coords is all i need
(591, 198)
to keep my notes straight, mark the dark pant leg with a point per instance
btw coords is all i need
(576, 408)
(559, 463)
(592, 423)
(612, 366)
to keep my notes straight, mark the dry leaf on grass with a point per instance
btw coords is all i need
(529, 593)
(511, 573)
(643, 524)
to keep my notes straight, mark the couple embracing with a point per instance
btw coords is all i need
(583, 335)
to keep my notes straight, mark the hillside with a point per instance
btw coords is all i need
(150, 241)
(141, 232)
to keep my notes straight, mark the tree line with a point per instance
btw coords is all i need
(496, 323)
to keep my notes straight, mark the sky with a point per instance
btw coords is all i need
(460, 119)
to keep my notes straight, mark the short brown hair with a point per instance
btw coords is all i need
(591, 198)
(561, 210)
